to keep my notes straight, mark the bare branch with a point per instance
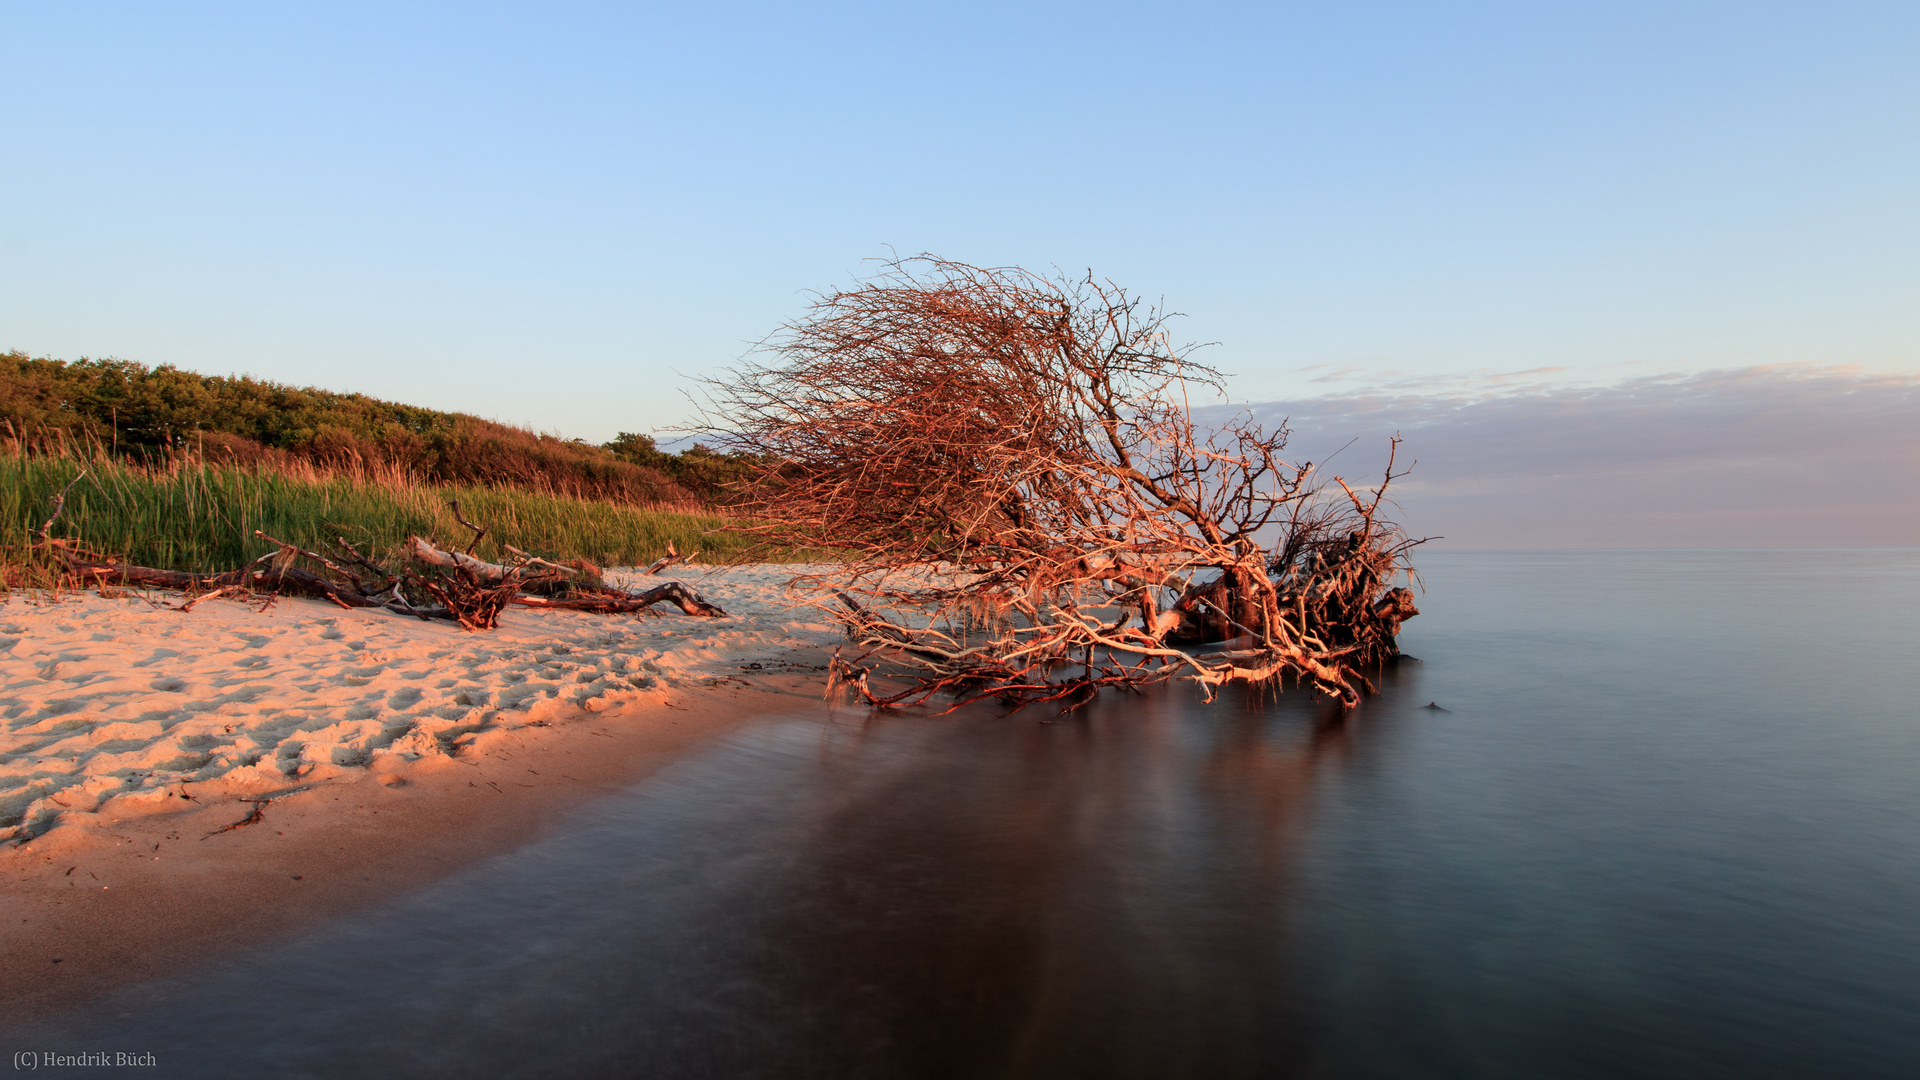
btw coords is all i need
(1004, 461)
(59, 504)
(478, 532)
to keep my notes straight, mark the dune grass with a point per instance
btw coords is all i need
(189, 515)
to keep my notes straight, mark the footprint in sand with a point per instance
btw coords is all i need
(516, 697)
(61, 707)
(246, 695)
(168, 685)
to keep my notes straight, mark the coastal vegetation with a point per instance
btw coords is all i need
(186, 514)
(153, 415)
(179, 472)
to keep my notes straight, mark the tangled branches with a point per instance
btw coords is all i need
(435, 584)
(1008, 462)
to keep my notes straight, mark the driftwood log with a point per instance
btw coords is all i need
(480, 569)
(608, 601)
(669, 559)
(459, 586)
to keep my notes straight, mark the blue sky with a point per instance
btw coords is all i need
(551, 215)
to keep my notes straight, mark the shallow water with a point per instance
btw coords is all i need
(1666, 826)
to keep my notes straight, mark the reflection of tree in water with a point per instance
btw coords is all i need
(1266, 767)
(1104, 894)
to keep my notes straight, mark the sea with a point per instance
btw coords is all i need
(1629, 814)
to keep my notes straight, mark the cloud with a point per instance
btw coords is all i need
(1785, 456)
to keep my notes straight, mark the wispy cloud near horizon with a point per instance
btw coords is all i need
(1776, 456)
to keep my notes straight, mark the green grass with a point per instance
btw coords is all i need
(197, 517)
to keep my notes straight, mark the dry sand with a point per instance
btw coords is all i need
(382, 753)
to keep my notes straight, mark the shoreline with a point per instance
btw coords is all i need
(130, 899)
(380, 752)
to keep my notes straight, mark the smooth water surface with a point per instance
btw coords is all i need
(1669, 824)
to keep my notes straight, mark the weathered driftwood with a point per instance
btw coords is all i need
(1008, 460)
(602, 600)
(669, 559)
(59, 504)
(255, 578)
(478, 532)
(536, 562)
(473, 594)
(479, 568)
(473, 605)
(610, 601)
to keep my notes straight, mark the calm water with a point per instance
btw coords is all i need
(1669, 825)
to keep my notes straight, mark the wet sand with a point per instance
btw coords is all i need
(124, 899)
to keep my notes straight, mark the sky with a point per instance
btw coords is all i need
(1787, 456)
(558, 215)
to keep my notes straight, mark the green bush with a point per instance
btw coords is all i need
(152, 415)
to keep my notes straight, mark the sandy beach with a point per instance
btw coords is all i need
(137, 743)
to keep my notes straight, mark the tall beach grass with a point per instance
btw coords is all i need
(192, 515)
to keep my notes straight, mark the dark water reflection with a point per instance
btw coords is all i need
(1666, 828)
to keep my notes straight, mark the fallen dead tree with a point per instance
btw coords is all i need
(1009, 469)
(436, 583)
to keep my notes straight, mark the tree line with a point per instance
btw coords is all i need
(155, 414)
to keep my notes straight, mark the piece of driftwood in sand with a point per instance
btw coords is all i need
(479, 568)
(608, 601)
(669, 559)
(1007, 463)
(598, 599)
(254, 578)
(457, 586)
